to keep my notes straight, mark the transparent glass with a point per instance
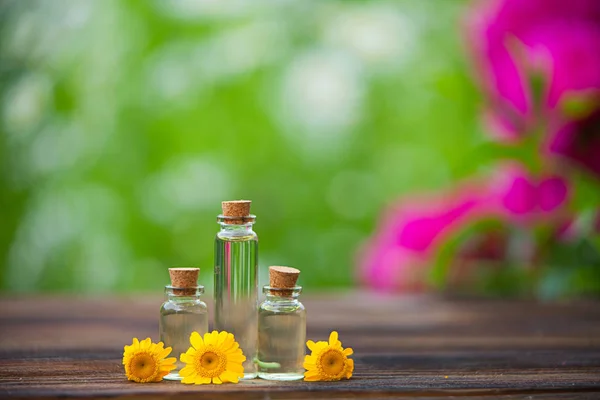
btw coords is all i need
(181, 314)
(236, 285)
(281, 335)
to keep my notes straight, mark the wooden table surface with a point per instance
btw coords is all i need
(424, 347)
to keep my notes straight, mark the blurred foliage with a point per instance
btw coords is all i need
(125, 123)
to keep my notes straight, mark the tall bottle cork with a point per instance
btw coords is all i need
(237, 211)
(283, 278)
(184, 280)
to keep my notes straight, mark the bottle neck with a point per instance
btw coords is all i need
(279, 295)
(183, 294)
(280, 300)
(236, 226)
(237, 229)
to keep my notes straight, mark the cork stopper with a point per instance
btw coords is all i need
(283, 278)
(238, 211)
(184, 280)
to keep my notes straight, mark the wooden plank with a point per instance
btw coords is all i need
(424, 347)
(400, 373)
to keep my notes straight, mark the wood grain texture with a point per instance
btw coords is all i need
(423, 347)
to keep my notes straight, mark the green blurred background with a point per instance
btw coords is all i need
(125, 123)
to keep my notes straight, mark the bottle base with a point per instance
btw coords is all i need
(289, 376)
(249, 375)
(173, 376)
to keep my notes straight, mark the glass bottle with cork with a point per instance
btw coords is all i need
(182, 313)
(281, 327)
(236, 278)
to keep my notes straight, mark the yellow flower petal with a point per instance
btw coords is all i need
(318, 346)
(191, 351)
(170, 360)
(348, 351)
(229, 342)
(221, 337)
(312, 379)
(145, 344)
(216, 380)
(165, 352)
(196, 340)
(162, 374)
(235, 367)
(208, 339)
(310, 358)
(333, 338)
(233, 348)
(162, 353)
(186, 358)
(202, 381)
(237, 357)
(188, 379)
(349, 368)
(167, 369)
(229, 377)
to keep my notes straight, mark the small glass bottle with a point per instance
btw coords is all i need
(181, 314)
(236, 279)
(281, 328)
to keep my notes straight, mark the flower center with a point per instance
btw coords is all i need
(209, 360)
(332, 362)
(212, 363)
(143, 365)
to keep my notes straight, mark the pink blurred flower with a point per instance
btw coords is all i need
(579, 142)
(521, 197)
(410, 234)
(396, 256)
(516, 39)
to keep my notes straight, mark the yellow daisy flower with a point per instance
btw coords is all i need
(145, 361)
(328, 361)
(217, 359)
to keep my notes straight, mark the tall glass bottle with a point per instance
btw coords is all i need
(181, 314)
(236, 278)
(281, 328)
